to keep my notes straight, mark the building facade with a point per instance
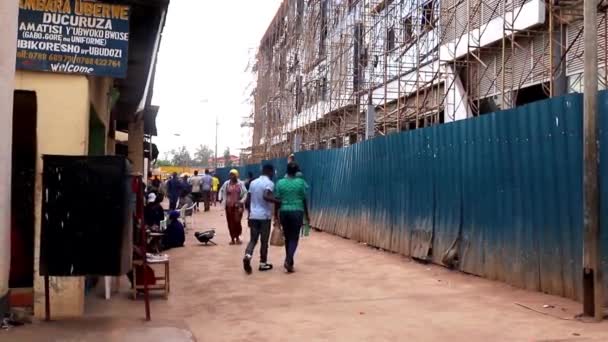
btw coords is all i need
(246, 139)
(73, 107)
(331, 73)
(222, 162)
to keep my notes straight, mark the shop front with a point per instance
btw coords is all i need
(60, 110)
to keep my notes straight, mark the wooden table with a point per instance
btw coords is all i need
(166, 281)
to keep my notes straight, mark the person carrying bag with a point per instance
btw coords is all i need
(277, 238)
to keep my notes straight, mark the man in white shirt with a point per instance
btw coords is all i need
(196, 186)
(207, 183)
(262, 200)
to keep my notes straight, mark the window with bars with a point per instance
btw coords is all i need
(323, 89)
(428, 15)
(390, 39)
(408, 29)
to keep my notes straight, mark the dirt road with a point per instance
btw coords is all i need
(342, 291)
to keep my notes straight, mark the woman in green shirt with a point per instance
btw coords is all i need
(291, 190)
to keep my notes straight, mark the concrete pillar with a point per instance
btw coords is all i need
(370, 121)
(456, 100)
(9, 13)
(297, 142)
(136, 144)
(560, 81)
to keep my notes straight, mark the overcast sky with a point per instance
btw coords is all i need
(204, 52)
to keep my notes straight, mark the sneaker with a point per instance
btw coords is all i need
(264, 266)
(247, 264)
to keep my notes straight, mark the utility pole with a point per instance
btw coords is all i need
(592, 274)
(9, 13)
(216, 125)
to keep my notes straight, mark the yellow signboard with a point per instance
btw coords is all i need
(166, 171)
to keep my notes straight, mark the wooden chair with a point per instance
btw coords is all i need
(184, 213)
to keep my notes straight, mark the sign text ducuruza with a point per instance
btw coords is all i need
(73, 36)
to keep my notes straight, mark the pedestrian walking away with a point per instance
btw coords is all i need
(174, 190)
(186, 182)
(250, 179)
(207, 184)
(196, 184)
(215, 187)
(291, 191)
(261, 199)
(163, 186)
(233, 195)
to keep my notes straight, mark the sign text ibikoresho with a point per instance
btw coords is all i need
(73, 36)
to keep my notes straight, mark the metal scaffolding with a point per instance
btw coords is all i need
(327, 69)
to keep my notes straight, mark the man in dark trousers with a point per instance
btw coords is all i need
(260, 216)
(174, 189)
(196, 182)
(206, 185)
(291, 190)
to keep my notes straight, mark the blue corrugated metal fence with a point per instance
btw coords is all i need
(499, 196)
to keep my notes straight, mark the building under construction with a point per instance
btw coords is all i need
(333, 72)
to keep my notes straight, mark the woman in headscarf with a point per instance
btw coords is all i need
(233, 195)
(175, 235)
(153, 211)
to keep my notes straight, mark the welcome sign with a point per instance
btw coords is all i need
(73, 36)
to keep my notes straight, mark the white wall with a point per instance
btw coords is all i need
(532, 13)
